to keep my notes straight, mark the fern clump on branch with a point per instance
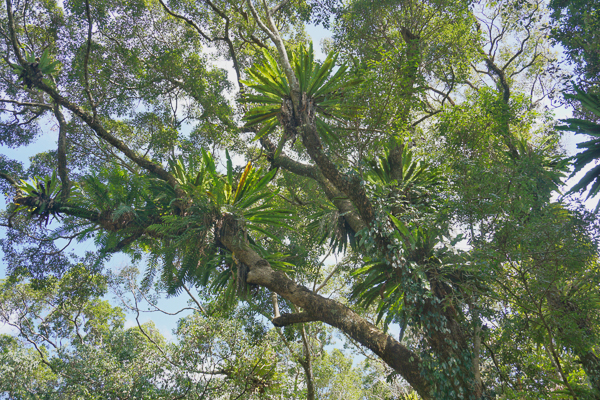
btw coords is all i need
(321, 88)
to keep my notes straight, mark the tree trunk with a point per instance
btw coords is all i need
(307, 365)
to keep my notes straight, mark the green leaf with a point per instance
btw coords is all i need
(229, 169)
(403, 229)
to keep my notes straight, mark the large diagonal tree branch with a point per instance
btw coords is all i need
(315, 307)
(356, 192)
(396, 355)
(353, 187)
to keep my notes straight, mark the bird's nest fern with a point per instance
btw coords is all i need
(319, 85)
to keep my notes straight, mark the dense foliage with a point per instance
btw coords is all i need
(420, 153)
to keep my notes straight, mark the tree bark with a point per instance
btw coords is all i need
(403, 360)
(308, 369)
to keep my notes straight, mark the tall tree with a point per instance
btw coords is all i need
(437, 128)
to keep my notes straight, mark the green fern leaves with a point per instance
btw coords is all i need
(318, 83)
(414, 172)
(43, 191)
(590, 149)
(43, 66)
(190, 253)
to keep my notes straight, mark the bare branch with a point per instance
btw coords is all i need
(26, 104)
(194, 299)
(274, 35)
(275, 305)
(259, 21)
(291, 319)
(426, 117)
(186, 20)
(446, 95)
(86, 59)
(8, 178)
(322, 285)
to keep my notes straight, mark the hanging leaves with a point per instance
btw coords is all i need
(590, 148)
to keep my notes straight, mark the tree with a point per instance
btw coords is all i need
(575, 26)
(79, 347)
(437, 127)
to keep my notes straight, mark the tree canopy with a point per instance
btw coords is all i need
(420, 151)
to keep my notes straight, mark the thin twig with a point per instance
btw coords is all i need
(86, 59)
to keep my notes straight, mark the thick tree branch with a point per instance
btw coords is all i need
(13, 33)
(291, 319)
(341, 201)
(293, 166)
(403, 360)
(504, 88)
(502, 79)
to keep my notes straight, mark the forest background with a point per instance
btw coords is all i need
(421, 152)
